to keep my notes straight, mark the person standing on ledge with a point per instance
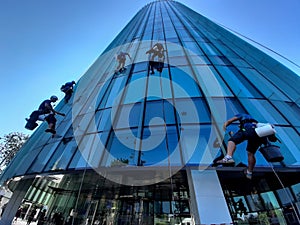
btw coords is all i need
(245, 133)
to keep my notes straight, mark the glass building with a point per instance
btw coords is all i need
(138, 146)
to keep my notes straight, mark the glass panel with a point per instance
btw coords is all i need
(209, 49)
(220, 60)
(270, 91)
(193, 48)
(185, 86)
(263, 111)
(199, 60)
(238, 84)
(117, 86)
(291, 111)
(214, 85)
(285, 196)
(270, 200)
(156, 148)
(122, 145)
(201, 115)
(62, 155)
(78, 161)
(42, 158)
(232, 105)
(241, 206)
(154, 113)
(136, 88)
(154, 88)
(138, 67)
(197, 144)
(25, 161)
(178, 61)
(129, 116)
(90, 152)
(290, 146)
(166, 85)
(103, 120)
(296, 191)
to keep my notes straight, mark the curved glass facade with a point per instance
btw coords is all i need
(135, 124)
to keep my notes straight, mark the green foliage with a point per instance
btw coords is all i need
(9, 146)
(119, 162)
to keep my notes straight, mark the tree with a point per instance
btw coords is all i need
(10, 145)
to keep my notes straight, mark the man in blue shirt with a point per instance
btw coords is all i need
(67, 88)
(245, 133)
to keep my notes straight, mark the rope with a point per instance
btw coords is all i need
(280, 55)
(288, 195)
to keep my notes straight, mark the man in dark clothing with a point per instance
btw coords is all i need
(31, 216)
(157, 50)
(121, 57)
(42, 217)
(245, 133)
(67, 88)
(46, 112)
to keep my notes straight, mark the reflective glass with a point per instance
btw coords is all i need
(42, 159)
(103, 120)
(263, 111)
(128, 116)
(121, 146)
(116, 91)
(136, 92)
(197, 144)
(214, 85)
(185, 84)
(62, 155)
(270, 91)
(291, 111)
(192, 111)
(158, 144)
(239, 85)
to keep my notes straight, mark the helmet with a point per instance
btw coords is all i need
(54, 98)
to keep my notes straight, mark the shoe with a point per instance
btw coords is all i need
(225, 161)
(50, 131)
(248, 175)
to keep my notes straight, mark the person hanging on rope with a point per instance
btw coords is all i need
(121, 57)
(245, 133)
(67, 88)
(157, 51)
(46, 112)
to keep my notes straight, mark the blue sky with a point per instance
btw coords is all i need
(44, 44)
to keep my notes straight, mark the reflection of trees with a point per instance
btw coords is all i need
(119, 162)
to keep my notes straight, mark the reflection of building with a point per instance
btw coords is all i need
(159, 131)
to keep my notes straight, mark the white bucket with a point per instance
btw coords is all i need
(264, 130)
